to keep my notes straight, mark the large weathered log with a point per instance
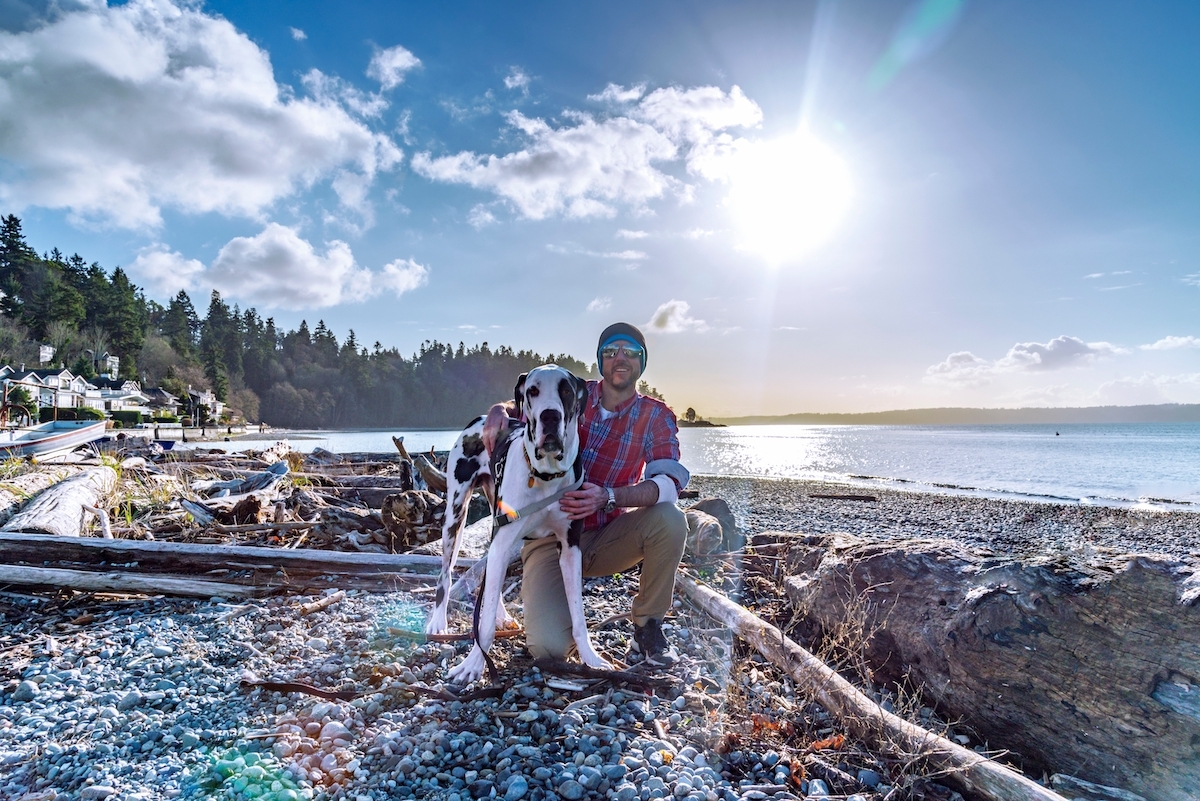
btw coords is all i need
(188, 557)
(1091, 670)
(124, 582)
(59, 509)
(15, 491)
(966, 769)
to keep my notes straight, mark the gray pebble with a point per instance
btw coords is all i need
(571, 790)
(26, 691)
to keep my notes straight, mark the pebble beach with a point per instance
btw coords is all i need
(139, 699)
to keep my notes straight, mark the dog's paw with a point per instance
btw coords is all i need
(594, 660)
(468, 670)
(505, 621)
(436, 624)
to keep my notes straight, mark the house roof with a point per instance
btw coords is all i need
(116, 383)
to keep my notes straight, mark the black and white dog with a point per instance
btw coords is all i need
(533, 466)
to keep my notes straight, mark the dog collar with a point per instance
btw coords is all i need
(538, 474)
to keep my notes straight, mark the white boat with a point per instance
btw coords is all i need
(58, 435)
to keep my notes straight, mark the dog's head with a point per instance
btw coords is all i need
(551, 399)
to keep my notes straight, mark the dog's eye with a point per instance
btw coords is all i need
(532, 392)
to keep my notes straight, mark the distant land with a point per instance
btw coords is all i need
(956, 416)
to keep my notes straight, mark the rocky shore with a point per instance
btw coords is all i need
(1015, 527)
(110, 698)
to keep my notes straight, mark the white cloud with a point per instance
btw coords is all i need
(1192, 280)
(332, 89)
(517, 79)
(167, 107)
(389, 66)
(966, 369)
(164, 271)
(278, 269)
(961, 367)
(695, 116)
(298, 34)
(697, 233)
(599, 304)
(672, 318)
(481, 217)
(1093, 275)
(400, 276)
(625, 233)
(619, 94)
(1150, 388)
(585, 168)
(578, 171)
(1173, 343)
(1056, 354)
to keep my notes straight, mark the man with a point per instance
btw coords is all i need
(632, 478)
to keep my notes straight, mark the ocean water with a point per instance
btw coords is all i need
(1147, 465)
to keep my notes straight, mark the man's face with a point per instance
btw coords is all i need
(621, 371)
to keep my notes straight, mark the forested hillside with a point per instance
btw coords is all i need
(297, 379)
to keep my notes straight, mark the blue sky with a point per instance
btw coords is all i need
(807, 206)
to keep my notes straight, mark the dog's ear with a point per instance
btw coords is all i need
(519, 392)
(581, 393)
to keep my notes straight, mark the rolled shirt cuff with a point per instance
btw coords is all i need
(669, 467)
(667, 491)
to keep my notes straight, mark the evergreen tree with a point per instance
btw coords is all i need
(181, 325)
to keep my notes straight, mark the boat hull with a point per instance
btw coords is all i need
(59, 435)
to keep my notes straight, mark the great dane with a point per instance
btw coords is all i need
(535, 463)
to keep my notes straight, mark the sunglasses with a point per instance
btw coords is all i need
(630, 351)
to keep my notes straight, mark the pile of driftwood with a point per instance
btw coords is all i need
(209, 523)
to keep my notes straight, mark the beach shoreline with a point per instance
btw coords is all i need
(1019, 527)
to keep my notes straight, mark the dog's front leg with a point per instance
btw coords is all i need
(570, 562)
(484, 629)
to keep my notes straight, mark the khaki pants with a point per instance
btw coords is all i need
(653, 535)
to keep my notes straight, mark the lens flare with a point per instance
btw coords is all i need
(788, 196)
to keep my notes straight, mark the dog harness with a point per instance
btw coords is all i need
(504, 513)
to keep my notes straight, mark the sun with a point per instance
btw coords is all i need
(788, 196)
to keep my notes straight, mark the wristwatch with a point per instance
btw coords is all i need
(611, 506)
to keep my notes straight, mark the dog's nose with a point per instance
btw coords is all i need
(551, 420)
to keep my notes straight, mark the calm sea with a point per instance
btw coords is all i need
(1153, 465)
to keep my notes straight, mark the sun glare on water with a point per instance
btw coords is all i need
(787, 196)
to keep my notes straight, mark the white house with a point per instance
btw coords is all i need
(119, 395)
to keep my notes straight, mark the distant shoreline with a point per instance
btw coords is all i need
(1160, 413)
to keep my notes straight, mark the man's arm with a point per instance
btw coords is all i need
(591, 498)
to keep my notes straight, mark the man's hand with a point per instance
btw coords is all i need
(497, 420)
(585, 501)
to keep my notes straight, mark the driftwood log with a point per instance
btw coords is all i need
(59, 509)
(965, 769)
(1090, 670)
(118, 581)
(176, 568)
(15, 491)
(181, 556)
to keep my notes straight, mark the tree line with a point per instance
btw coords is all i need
(294, 379)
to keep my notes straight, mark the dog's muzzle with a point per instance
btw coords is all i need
(552, 442)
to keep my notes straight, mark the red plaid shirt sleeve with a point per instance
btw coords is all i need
(616, 450)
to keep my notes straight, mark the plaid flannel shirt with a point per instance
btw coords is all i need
(617, 450)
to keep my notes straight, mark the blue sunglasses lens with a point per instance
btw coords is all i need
(631, 351)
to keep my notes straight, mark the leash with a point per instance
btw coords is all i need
(505, 514)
